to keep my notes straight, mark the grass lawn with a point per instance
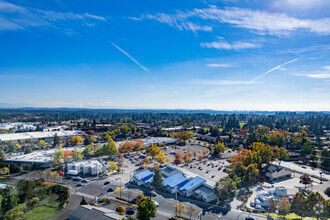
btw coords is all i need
(288, 216)
(40, 213)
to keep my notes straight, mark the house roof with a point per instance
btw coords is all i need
(143, 174)
(192, 183)
(174, 180)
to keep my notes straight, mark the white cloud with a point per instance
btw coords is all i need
(319, 76)
(15, 17)
(322, 74)
(261, 22)
(218, 65)
(237, 45)
(179, 23)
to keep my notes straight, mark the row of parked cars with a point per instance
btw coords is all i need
(76, 179)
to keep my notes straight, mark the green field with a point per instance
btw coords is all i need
(40, 213)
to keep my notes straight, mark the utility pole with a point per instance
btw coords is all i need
(176, 199)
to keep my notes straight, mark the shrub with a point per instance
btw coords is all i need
(120, 209)
(327, 192)
(34, 201)
(16, 213)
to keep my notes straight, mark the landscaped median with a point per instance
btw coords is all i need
(33, 199)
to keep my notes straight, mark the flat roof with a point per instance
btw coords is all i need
(143, 174)
(38, 134)
(174, 180)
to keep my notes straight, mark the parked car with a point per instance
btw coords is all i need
(110, 190)
(78, 178)
(80, 185)
(156, 203)
(84, 181)
(106, 183)
(250, 218)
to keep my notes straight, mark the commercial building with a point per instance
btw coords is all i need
(169, 171)
(174, 182)
(88, 167)
(36, 136)
(205, 192)
(276, 173)
(36, 159)
(87, 212)
(188, 188)
(262, 199)
(143, 178)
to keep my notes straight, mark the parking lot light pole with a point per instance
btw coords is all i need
(176, 199)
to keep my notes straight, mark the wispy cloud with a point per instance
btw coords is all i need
(179, 24)
(236, 45)
(218, 65)
(322, 74)
(271, 70)
(13, 17)
(260, 22)
(129, 56)
(218, 82)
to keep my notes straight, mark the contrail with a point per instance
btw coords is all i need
(291, 61)
(129, 56)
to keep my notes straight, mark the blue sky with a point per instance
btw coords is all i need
(208, 54)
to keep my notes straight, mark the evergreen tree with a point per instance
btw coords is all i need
(298, 201)
(157, 181)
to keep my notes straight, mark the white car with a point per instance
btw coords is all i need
(156, 203)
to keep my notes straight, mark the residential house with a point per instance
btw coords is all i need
(275, 173)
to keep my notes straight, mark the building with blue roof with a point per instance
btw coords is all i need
(188, 188)
(143, 178)
(174, 182)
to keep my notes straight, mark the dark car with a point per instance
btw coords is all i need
(149, 194)
(110, 190)
(77, 178)
(250, 218)
(84, 181)
(80, 185)
(68, 177)
(106, 183)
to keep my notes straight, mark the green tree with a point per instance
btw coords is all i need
(251, 174)
(9, 198)
(56, 140)
(25, 189)
(316, 205)
(2, 156)
(219, 148)
(283, 154)
(110, 149)
(157, 181)
(88, 151)
(297, 204)
(225, 189)
(261, 153)
(146, 209)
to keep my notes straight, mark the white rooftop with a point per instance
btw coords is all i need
(39, 134)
